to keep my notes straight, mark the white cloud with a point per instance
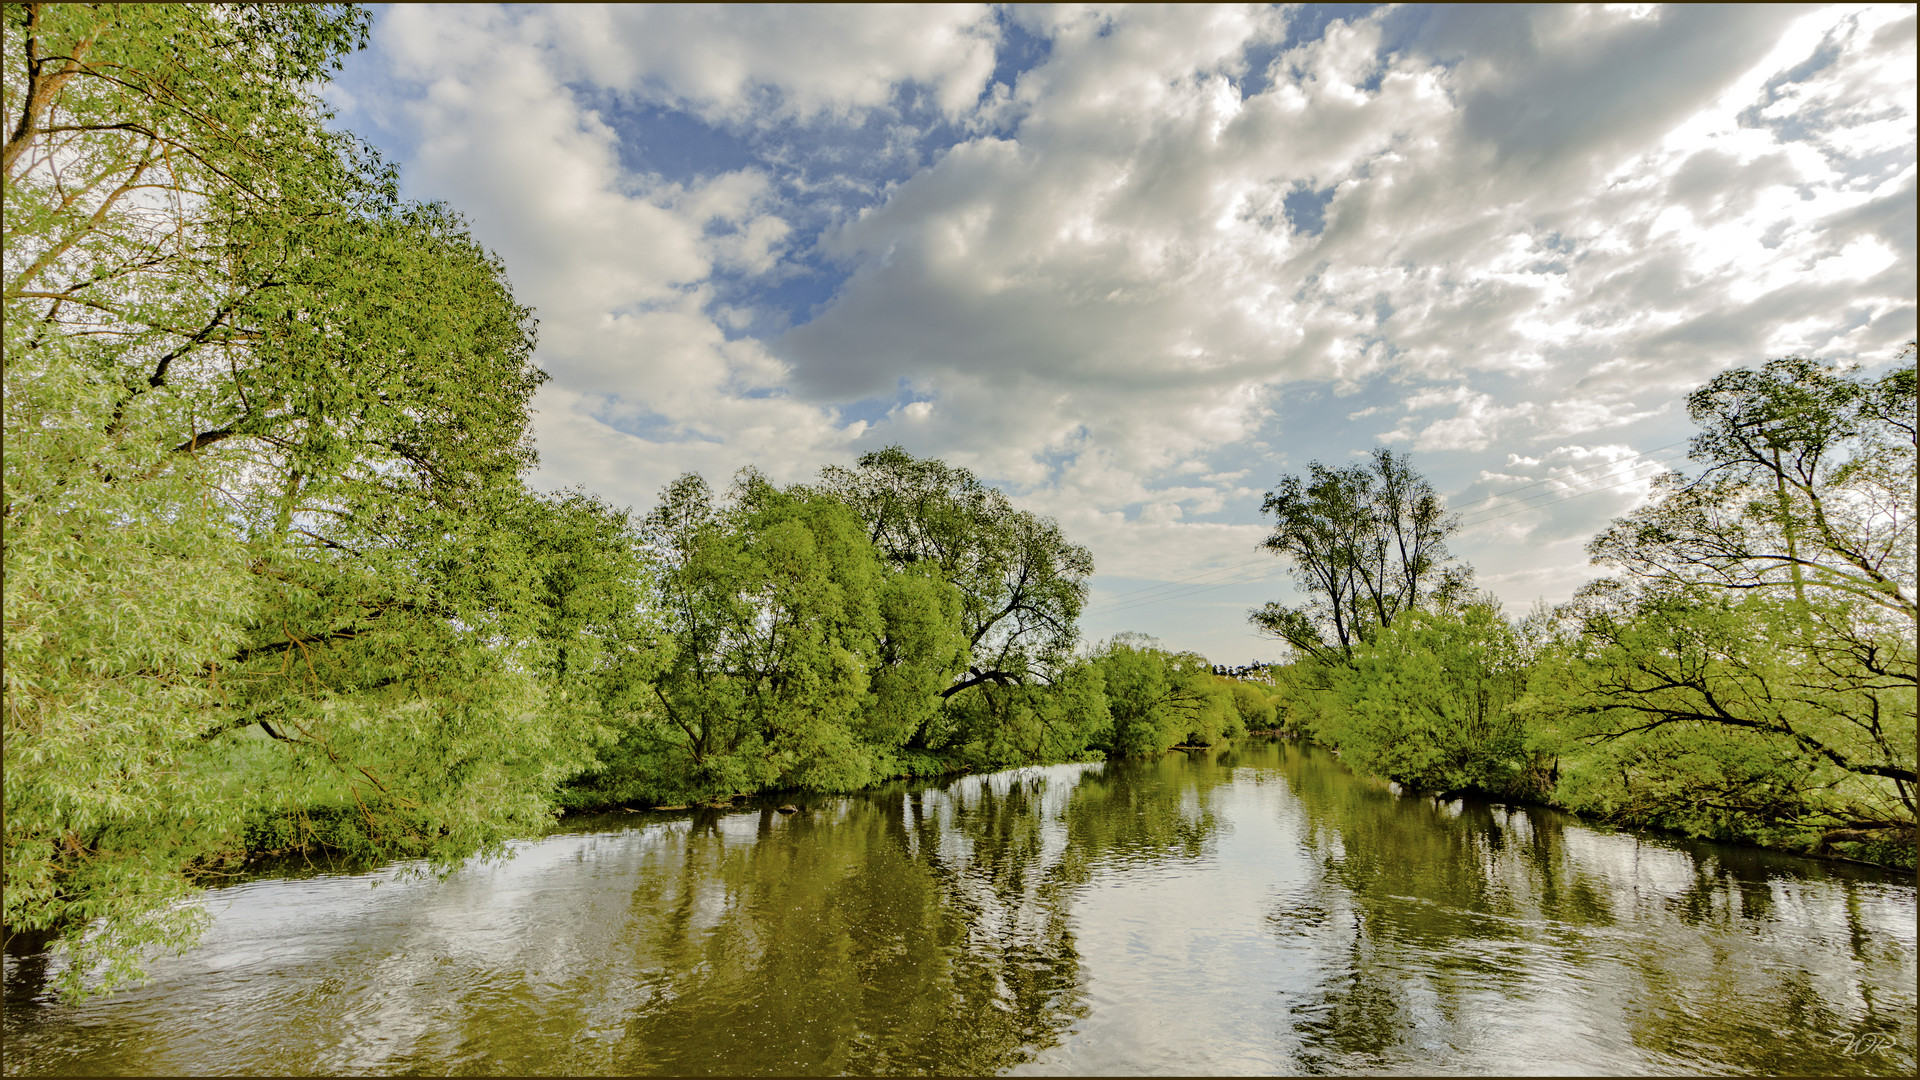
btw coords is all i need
(759, 64)
(616, 268)
(1512, 234)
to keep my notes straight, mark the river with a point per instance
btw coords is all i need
(1249, 909)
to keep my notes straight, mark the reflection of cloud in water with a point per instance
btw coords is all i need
(1521, 940)
(1257, 910)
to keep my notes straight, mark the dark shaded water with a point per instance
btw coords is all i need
(1256, 909)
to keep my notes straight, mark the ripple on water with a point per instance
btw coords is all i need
(1275, 916)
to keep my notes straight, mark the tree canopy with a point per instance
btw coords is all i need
(1750, 675)
(1021, 583)
(1767, 608)
(1807, 483)
(261, 416)
(1366, 544)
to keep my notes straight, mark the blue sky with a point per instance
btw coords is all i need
(1134, 264)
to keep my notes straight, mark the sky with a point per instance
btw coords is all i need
(1135, 264)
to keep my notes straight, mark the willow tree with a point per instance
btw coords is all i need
(1758, 654)
(1425, 703)
(269, 564)
(1157, 699)
(1021, 583)
(791, 656)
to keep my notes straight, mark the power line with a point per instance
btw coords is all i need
(1204, 575)
(1190, 591)
(1184, 596)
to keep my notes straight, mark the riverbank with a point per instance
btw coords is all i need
(1896, 862)
(1255, 909)
(956, 767)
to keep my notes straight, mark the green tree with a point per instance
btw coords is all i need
(1213, 710)
(1701, 713)
(1807, 486)
(1021, 583)
(1257, 709)
(1017, 695)
(124, 586)
(1140, 698)
(922, 646)
(1158, 699)
(794, 658)
(1061, 719)
(1366, 543)
(1755, 673)
(1427, 703)
(261, 417)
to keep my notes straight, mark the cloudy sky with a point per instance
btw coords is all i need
(1134, 264)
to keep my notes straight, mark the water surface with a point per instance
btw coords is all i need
(1252, 909)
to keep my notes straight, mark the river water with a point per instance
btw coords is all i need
(1252, 909)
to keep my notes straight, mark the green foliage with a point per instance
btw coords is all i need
(1214, 710)
(1700, 711)
(1396, 665)
(268, 556)
(124, 585)
(1755, 677)
(773, 607)
(1021, 584)
(1427, 703)
(1299, 698)
(1257, 709)
(1807, 487)
(798, 654)
(1144, 716)
(1158, 699)
(922, 645)
(793, 654)
(1709, 783)
(998, 727)
(1366, 544)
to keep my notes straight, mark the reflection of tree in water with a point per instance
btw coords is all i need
(916, 931)
(1143, 812)
(899, 932)
(894, 933)
(1423, 910)
(1823, 1011)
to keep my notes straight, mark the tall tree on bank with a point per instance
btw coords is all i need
(1757, 663)
(1366, 544)
(1157, 699)
(1425, 703)
(1807, 487)
(1020, 695)
(1021, 583)
(261, 415)
(790, 655)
